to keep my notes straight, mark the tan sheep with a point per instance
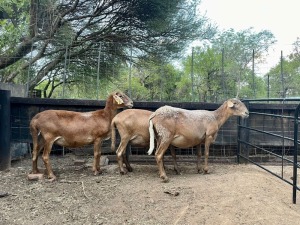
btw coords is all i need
(133, 128)
(187, 128)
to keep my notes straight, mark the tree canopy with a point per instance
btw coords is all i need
(284, 78)
(222, 68)
(39, 35)
(87, 47)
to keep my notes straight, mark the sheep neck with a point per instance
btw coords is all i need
(222, 114)
(110, 108)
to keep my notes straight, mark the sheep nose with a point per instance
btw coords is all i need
(246, 114)
(130, 104)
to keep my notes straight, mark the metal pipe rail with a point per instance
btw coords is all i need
(244, 137)
(266, 132)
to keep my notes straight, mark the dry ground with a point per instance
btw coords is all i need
(230, 194)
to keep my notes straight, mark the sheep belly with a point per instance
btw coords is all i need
(71, 143)
(139, 140)
(181, 141)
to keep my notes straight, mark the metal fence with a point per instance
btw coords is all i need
(282, 132)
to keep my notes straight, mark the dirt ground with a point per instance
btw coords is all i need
(230, 194)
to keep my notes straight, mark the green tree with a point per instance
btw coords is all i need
(284, 78)
(151, 79)
(223, 68)
(238, 50)
(41, 35)
(203, 67)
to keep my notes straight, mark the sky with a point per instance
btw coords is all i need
(282, 18)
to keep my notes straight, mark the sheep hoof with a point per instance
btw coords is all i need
(206, 172)
(123, 172)
(36, 171)
(129, 169)
(200, 171)
(97, 172)
(165, 179)
(177, 172)
(51, 178)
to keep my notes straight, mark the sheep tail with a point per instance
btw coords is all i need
(151, 131)
(113, 136)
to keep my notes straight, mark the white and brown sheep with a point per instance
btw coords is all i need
(133, 128)
(74, 129)
(186, 128)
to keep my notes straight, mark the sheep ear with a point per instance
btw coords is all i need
(230, 104)
(118, 99)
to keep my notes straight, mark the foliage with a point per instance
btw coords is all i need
(85, 49)
(151, 80)
(222, 69)
(284, 78)
(204, 68)
(51, 31)
(241, 49)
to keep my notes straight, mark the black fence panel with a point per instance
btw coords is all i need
(5, 156)
(224, 148)
(272, 132)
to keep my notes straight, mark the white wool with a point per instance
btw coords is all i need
(151, 131)
(87, 114)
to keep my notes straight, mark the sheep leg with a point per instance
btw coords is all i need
(127, 164)
(159, 156)
(126, 159)
(198, 147)
(208, 141)
(173, 153)
(97, 155)
(37, 147)
(46, 154)
(121, 156)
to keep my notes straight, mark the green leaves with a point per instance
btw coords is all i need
(43, 35)
(284, 78)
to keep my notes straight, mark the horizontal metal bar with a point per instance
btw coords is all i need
(271, 99)
(265, 132)
(265, 150)
(273, 115)
(276, 175)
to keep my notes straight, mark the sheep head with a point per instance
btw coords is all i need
(121, 100)
(237, 108)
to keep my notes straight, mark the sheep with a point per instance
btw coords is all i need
(132, 125)
(74, 129)
(186, 128)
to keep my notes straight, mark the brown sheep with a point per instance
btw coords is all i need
(186, 128)
(74, 129)
(133, 128)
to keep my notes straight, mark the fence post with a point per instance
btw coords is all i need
(295, 165)
(243, 135)
(5, 157)
(238, 152)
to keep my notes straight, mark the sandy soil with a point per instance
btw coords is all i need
(230, 194)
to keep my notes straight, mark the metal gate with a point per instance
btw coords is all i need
(279, 127)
